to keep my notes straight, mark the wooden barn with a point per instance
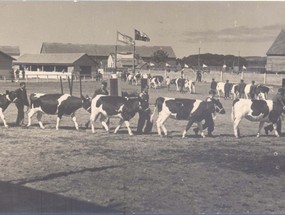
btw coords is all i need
(13, 51)
(6, 62)
(101, 53)
(276, 54)
(75, 63)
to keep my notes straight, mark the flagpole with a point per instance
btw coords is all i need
(116, 50)
(134, 57)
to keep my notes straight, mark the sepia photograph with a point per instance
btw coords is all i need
(142, 107)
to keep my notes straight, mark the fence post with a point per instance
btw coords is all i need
(221, 78)
(264, 78)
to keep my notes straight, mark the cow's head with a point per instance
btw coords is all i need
(133, 104)
(11, 96)
(218, 106)
(86, 103)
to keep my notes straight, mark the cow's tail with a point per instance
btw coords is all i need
(33, 98)
(157, 106)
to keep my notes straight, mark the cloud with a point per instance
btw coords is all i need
(236, 34)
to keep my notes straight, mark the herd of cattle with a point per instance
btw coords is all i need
(103, 107)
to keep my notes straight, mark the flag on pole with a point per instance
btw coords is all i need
(151, 64)
(186, 66)
(204, 65)
(167, 65)
(124, 38)
(244, 67)
(141, 36)
(224, 66)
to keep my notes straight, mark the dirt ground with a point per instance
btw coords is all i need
(76, 171)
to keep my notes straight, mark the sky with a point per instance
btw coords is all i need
(245, 28)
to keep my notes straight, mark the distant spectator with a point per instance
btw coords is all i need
(241, 88)
(167, 81)
(227, 89)
(198, 76)
(252, 90)
(17, 73)
(213, 87)
(182, 73)
(23, 74)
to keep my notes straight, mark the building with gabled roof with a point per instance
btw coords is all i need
(13, 51)
(100, 53)
(275, 61)
(77, 63)
(6, 62)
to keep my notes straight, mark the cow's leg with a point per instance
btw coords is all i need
(119, 126)
(104, 123)
(39, 118)
(74, 121)
(188, 126)
(200, 126)
(236, 128)
(162, 121)
(160, 124)
(3, 118)
(259, 128)
(30, 115)
(275, 129)
(127, 123)
(93, 117)
(57, 122)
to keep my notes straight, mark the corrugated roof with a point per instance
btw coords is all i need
(10, 50)
(103, 50)
(278, 46)
(49, 58)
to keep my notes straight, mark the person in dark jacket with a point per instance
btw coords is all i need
(227, 89)
(213, 88)
(252, 90)
(102, 90)
(241, 88)
(144, 124)
(278, 98)
(21, 102)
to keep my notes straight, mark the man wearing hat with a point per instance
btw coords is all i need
(21, 102)
(102, 90)
(144, 124)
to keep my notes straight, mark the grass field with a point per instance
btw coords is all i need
(77, 171)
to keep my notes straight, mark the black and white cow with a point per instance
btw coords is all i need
(257, 111)
(156, 81)
(114, 107)
(5, 100)
(56, 104)
(261, 91)
(192, 110)
(180, 84)
(190, 86)
(221, 89)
